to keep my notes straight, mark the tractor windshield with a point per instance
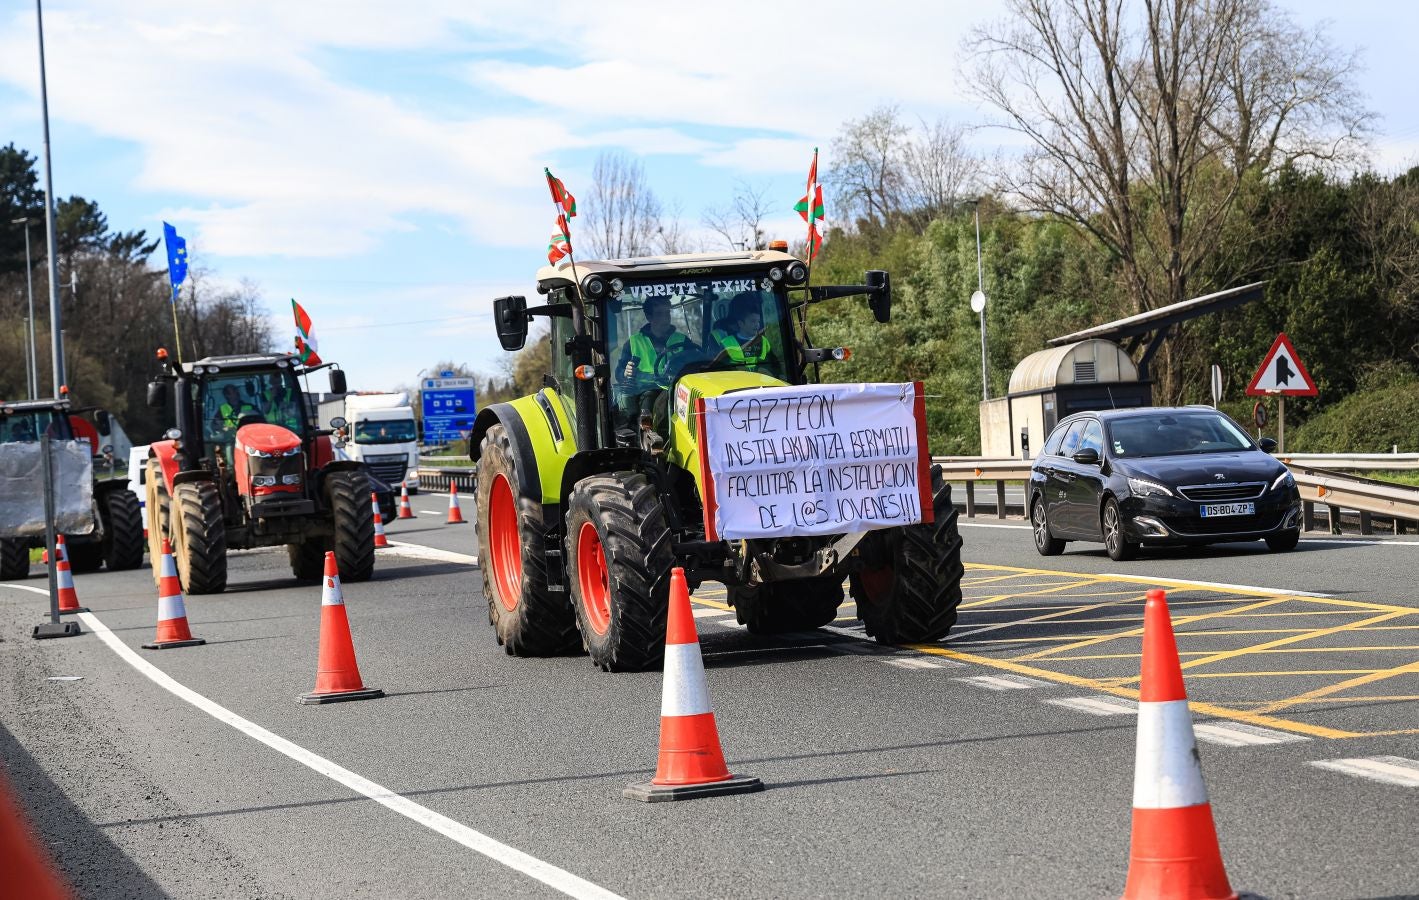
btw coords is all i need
(665, 327)
(26, 427)
(230, 401)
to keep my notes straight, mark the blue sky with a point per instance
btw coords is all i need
(382, 162)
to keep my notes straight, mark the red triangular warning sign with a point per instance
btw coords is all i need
(1282, 372)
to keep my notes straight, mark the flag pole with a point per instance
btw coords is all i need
(566, 220)
(177, 335)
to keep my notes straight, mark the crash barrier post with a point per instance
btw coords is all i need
(337, 675)
(1173, 851)
(691, 761)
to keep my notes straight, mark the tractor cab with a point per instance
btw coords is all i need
(24, 421)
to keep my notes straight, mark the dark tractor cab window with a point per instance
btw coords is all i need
(26, 427)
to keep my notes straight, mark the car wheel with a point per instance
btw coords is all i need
(1284, 541)
(1046, 543)
(1119, 547)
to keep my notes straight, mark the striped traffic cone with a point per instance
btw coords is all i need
(68, 597)
(337, 675)
(380, 541)
(691, 762)
(172, 613)
(1174, 852)
(405, 512)
(455, 515)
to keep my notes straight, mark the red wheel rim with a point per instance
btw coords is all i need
(877, 582)
(505, 543)
(593, 578)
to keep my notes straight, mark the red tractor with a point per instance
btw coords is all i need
(246, 467)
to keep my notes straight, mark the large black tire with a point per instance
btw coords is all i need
(1116, 542)
(85, 555)
(307, 559)
(14, 560)
(199, 538)
(348, 493)
(618, 562)
(910, 584)
(781, 606)
(527, 618)
(1046, 544)
(1286, 540)
(123, 530)
(159, 516)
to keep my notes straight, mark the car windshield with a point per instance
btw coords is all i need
(394, 431)
(1175, 434)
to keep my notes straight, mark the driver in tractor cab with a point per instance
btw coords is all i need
(644, 366)
(233, 409)
(740, 335)
(281, 408)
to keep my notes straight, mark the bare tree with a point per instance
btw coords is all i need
(1147, 116)
(868, 176)
(622, 215)
(939, 171)
(741, 221)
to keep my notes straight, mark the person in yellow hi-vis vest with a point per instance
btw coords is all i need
(643, 371)
(740, 336)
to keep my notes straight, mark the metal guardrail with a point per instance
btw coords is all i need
(1368, 497)
(1370, 462)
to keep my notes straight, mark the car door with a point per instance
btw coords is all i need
(1059, 473)
(1085, 490)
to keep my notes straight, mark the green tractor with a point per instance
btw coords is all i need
(590, 491)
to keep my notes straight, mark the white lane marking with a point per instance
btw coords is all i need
(1237, 734)
(1385, 769)
(702, 612)
(1004, 682)
(419, 551)
(25, 587)
(432, 512)
(1272, 592)
(921, 662)
(991, 525)
(860, 649)
(548, 874)
(1103, 705)
(1167, 772)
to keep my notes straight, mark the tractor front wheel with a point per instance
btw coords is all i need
(348, 494)
(307, 559)
(123, 530)
(527, 618)
(14, 560)
(199, 538)
(780, 606)
(910, 584)
(619, 560)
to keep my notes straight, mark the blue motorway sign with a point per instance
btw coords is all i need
(450, 405)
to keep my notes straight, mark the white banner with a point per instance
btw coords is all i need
(814, 460)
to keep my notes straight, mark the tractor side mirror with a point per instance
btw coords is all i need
(510, 320)
(337, 381)
(157, 394)
(880, 300)
(101, 419)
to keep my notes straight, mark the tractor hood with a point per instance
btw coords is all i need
(267, 440)
(684, 448)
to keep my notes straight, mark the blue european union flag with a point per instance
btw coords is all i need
(177, 258)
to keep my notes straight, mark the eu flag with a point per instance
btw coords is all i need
(177, 258)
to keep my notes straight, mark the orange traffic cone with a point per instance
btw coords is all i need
(691, 761)
(28, 871)
(404, 511)
(337, 676)
(172, 613)
(68, 597)
(380, 541)
(455, 515)
(1174, 853)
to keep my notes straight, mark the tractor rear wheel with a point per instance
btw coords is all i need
(910, 584)
(527, 618)
(307, 559)
(348, 494)
(619, 560)
(14, 560)
(159, 514)
(780, 606)
(123, 530)
(199, 538)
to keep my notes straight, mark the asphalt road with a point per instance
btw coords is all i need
(947, 770)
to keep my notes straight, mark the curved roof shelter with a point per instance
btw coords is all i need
(1083, 362)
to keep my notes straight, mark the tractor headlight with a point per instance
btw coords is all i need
(776, 274)
(291, 479)
(262, 454)
(617, 285)
(173, 434)
(263, 481)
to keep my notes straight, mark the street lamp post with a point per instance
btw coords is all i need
(56, 341)
(32, 365)
(978, 306)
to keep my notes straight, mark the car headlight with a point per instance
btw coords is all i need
(1285, 480)
(263, 481)
(1144, 488)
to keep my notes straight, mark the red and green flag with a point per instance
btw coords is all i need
(560, 195)
(306, 343)
(560, 243)
(811, 208)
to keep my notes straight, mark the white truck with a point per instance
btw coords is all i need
(380, 432)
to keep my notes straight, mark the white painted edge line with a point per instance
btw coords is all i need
(43, 592)
(1103, 705)
(920, 662)
(558, 879)
(703, 612)
(1385, 769)
(419, 551)
(1238, 734)
(431, 512)
(1004, 682)
(991, 525)
(1274, 592)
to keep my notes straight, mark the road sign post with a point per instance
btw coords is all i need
(1284, 375)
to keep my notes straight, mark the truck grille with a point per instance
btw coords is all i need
(389, 469)
(1222, 493)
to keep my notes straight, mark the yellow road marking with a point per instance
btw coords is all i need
(1280, 674)
(1368, 678)
(1401, 698)
(998, 597)
(1137, 632)
(714, 603)
(1206, 652)
(1324, 632)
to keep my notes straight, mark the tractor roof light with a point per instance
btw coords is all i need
(617, 285)
(594, 286)
(797, 273)
(776, 274)
(173, 434)
(779, 245)
(162, 354)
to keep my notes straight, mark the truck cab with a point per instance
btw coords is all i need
(380, 432)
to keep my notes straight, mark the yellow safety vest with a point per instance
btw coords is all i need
(232, 416)
(650, 362)
(735, 351)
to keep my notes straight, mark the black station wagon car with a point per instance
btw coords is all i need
(1157, 476)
